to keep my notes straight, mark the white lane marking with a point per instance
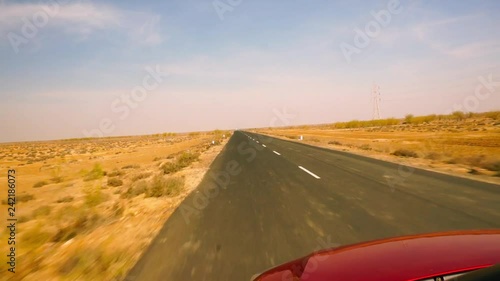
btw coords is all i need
(277, 153)
(264, 145)
(309, 172)
(257, 141)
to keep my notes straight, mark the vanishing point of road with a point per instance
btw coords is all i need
(266, 201)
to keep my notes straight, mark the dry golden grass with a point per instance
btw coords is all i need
(462, 144)
(77, 220)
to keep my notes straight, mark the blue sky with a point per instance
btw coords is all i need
(238, 68)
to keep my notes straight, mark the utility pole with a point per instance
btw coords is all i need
(376, 101)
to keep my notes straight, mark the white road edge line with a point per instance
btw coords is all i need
(277, 153)
(309, 172)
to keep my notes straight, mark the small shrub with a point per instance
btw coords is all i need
(433, 156)
(475, 160)
(409, 118)
(131, 167)
(24, 198)
(335, 143)
(405, 153)
(22, 219)
(165, 187)
(365, 147)
(42, 211)
(459, 115)
(94, 196)
(83, 220)
(65, 199)
(115, 173)
(118, 209)
(35, 236)
(492, 165)
(137, 189)
(40, 184)
(96, 173)
(170, 167)
(115, 182)
(474, 172)
(64, 234)
(454, 160)
(186, 158)
(57, 179)
(141, 176)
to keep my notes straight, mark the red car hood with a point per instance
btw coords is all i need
(396, 259)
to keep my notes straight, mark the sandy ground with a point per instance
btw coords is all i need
(105, 231)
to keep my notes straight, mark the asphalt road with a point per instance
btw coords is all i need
(267, 201)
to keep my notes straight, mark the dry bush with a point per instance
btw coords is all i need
(433, 156)
(459, 115)
(96, 262)
(23, 219)
(335, 142)
(136, 189)
(493, 165)
(474, 160)
(182, 161)
(365, 147)
(94, 174)
(35, 236)
(141, 176)
(405, 153)
(24, 197)
(131, 167)
(115, 173)
(40, 184)
(94, 196)
(57, 179)
(161, 186)
(115, 182)
(65, 199)
(42, 211)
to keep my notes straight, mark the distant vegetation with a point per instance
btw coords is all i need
(408, 119)
(182, 161)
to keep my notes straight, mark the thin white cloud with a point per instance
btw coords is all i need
(80, 19)
(72, 17)
(425, 29)
(475, 49)
(435, 35)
